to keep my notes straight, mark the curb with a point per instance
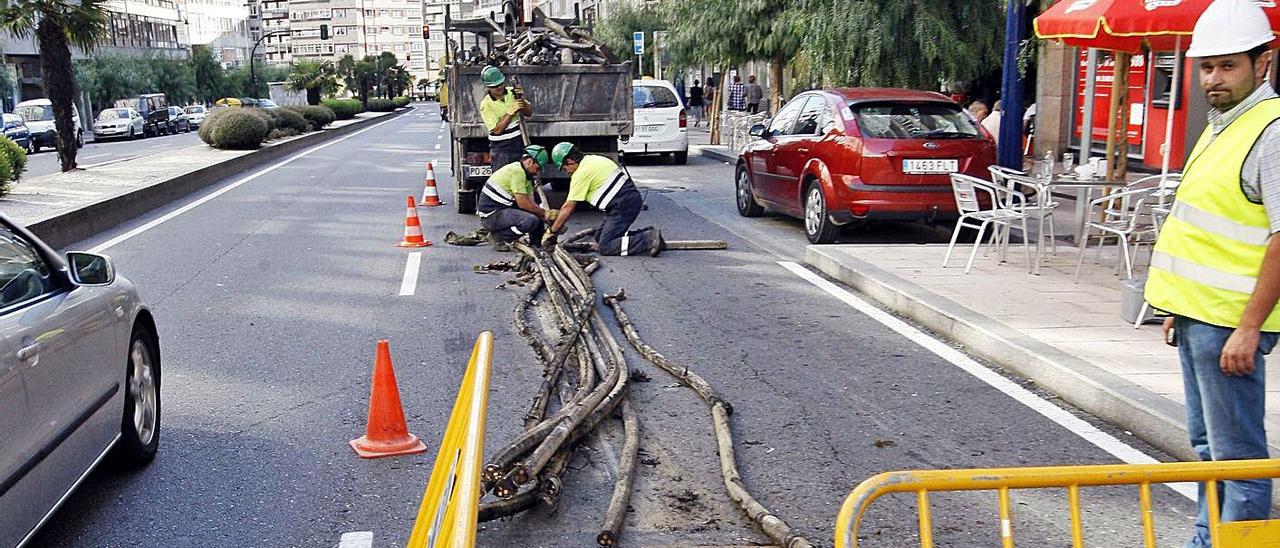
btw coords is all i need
(717, 152)
(1154, 419)
(63, 229)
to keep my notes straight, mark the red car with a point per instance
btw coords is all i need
(833, 157)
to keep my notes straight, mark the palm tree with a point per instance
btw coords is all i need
(365, 74)
(398, 80)
(57, 25)
(317, 77)
(346, 69)
(422, 88)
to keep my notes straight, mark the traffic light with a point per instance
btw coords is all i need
(324, 32)
(426, 32)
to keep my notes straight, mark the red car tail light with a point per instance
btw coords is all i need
(684, 119)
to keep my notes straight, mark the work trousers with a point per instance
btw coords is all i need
(509, 224)
(502, 153)
(1224, 419)
(613, 237)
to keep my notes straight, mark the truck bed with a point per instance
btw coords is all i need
(568, 100)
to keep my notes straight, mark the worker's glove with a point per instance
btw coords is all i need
(552, 214)
(549, 239)
(513, 109)
(522, 103)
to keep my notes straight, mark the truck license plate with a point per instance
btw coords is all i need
(479, 171)
(930, 166)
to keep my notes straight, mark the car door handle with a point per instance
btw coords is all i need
(802, 150)
(29, 352)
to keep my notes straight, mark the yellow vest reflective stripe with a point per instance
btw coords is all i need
(504, 184)
(1207, 258)
(492, 111)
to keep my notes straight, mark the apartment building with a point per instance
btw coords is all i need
(222, 25)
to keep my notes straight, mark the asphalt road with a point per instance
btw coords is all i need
(270, 298)
(94, 152)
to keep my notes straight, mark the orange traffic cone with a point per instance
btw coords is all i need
(412, 229)
(386, 434)
(430, 195)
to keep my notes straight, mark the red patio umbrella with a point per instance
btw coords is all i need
(1126, 25)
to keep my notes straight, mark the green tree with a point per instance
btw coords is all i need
(211, 79)
(398, 81)
(903, 44)
(386, 61)
(346, 69)
(625, 18)
(58, 25)
(316, 77)
(108, 77)
(365, 74)
(176, 79)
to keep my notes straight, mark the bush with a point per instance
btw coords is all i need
(381, 105)
(317, 116)
(287, 121)
(7, 176)
(211, 121)
(239, 129)
(344, 109)
(262, 114)
(16, 156)
(402, 102)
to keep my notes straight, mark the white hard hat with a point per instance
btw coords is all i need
(1228, 27)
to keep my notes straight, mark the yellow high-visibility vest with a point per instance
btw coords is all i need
(1207, 258)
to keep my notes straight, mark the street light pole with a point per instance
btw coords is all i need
(253, 54)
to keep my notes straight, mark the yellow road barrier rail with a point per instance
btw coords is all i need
(1238, 534)
(447, 517)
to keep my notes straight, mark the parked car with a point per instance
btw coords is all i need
(16, 130)
(153, 107)
(196, 114)
(661, 125)
(79, 376)
(835, 157)
(267, 103)
(118, 123)
(38, 115)
(178, 121)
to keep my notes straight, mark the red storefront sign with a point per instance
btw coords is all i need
(1102, 96)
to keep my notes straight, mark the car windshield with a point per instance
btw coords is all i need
(195, 110)
(653, 97)
(113, 114)
(35, 113)
(913, 121)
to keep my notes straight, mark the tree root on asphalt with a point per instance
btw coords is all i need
(617, 513)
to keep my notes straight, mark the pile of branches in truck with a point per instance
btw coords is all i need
(545, 42)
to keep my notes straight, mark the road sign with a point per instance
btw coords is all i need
(637, 40)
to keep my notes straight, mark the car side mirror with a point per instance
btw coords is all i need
(757, 130)
(90, 268)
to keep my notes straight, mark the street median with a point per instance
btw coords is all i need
(63, 227)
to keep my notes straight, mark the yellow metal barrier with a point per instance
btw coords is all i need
(1239, 534)
(447, 517)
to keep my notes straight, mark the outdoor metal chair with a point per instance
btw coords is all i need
(1040, 206)
(1007, 210)
(1127, 217)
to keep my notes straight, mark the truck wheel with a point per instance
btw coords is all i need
(466, 202)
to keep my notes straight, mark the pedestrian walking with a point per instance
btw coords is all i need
(599, 181)
(506, 205)
(500, 110)
(695, 102)
(737, 94)
(1215, 269)
(992, 122)
(754, 94)
(709, 98)
(978, 110)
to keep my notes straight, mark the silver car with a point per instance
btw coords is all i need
(79, 377)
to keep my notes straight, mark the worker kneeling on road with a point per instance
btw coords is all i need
(599, 181)
(501, 109)
(506, 206)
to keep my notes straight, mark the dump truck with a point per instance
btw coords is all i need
(586, 104)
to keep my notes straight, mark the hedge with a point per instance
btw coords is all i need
(344, 109)
(16, 156)
(402, 102)
(211, 120)
(239, 129)
(381, 105)
(287, 121)
(317, 116)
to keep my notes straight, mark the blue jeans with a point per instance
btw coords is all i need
(1224, 419)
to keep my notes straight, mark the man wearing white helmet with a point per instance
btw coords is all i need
(1215, 268)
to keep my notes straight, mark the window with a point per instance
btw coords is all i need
(807, 122)
(653, 97)
(24, 276)
(339, 31)
(370, 13)
(786, 118)
(398, 31)
(400, 47)
(913, 121)
(397, 13)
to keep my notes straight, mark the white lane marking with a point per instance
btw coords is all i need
(1079, 427)
(157, 222)
(437, 146)
(356, 539)
(439, 136)
(410, 282)
(90, 157)
(160, 145)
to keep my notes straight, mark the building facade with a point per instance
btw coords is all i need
(222, 25)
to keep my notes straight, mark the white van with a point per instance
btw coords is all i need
(661, 124)
(38, 114)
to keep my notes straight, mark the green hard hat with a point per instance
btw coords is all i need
(492, 77)
(538, 153)
(559, 152)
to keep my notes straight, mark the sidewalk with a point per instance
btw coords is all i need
(700, 143)
(1067, 337)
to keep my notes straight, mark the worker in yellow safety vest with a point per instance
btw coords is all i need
(1215, 268)
(599, 181)
(506, 205)
(500, 110)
